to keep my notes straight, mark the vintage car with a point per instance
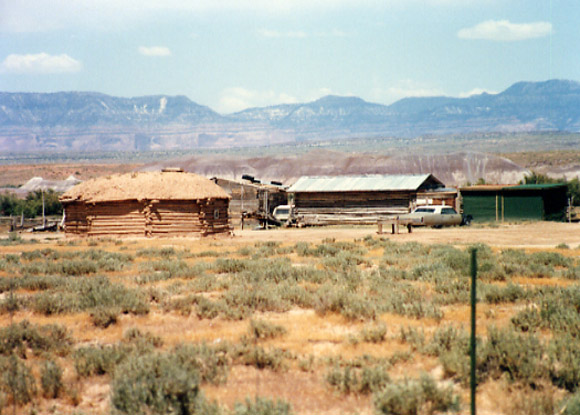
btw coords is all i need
(434, 215)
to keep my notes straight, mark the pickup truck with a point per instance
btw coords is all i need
(436, 216)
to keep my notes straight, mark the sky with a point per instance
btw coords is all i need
(235, 54)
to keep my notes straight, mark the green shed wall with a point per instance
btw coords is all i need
(530, 207)
(481, 206)
(522, 202)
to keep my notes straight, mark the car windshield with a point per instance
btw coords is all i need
(448, 211)
(424, 210)
(282, 211)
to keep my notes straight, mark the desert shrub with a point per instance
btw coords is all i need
(165, 252)
(206, 308)
(99, 360)
(452, 291)
(349, 379)
(564, 358)
(387, 272)
(572, 405)
(250, 354)
(559, 310)
(532, 401)
(511, 293)
(173, 268)
(431, 272)
(39, 283)
(103, 317)
(12, 259)
(330, 248)
(80, 294)
(20, 337)
(528, 319)
(572, 273)
(142, 340)
(208, 282)
(343, 260)
(51, 379)
(211, 363)
(261, 329)
(506, 352)
(554, 259)
(247, 298)
(513, 262)
(269, 248)
(183, 305)
(262, 406)
(49, 303)
(16, 380)
(336, 299)
(516, 355)
(414, 337)
(12, 303)
(296, 294)
(411, 397)
(372, 242)
(455, 363)
(208, 254)
(404, 299)
(447, 339)
(67, 267)
(13, 239)
(457, 261)
(374, 333)
(157, 383)
(231, 265)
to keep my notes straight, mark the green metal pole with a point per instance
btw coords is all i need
(472, 342)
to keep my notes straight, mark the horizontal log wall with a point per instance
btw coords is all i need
(322, 208)
(148, 218)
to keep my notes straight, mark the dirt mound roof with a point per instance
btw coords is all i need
(170, 185)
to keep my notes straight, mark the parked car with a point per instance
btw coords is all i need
(436, 216)
(283, 214)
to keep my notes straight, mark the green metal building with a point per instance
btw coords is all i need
(522, 202)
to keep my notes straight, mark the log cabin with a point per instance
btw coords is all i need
(151, 204)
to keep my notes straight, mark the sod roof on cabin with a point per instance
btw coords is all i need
(145, 186)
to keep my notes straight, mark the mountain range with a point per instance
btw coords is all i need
(85, 121)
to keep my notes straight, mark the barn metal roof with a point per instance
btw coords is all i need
(371, 182)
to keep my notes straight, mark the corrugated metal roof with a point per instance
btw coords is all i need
(371, 182)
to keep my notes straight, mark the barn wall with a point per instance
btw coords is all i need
(350, 207)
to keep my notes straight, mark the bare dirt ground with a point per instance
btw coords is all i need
(515, 235)
(539, 235)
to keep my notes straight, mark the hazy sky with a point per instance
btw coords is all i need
(234, 54)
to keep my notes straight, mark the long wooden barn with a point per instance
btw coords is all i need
(151, 204)
(362, 199)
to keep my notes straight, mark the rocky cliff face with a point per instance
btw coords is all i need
(92, 121)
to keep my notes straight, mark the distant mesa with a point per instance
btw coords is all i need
(89, 121)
